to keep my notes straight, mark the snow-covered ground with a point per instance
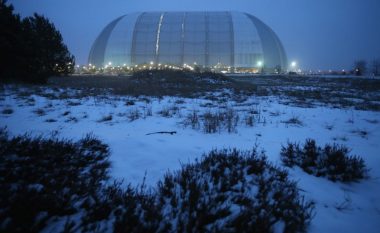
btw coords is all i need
(340, 207)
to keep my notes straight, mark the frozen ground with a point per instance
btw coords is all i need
(124, 122)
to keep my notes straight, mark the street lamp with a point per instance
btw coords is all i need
(260, 65)
(293, 66)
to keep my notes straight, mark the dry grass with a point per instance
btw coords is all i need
(153, 83)
(7, 111)
(294, 120)
(105, 118)
(303, 91)
(306, 91)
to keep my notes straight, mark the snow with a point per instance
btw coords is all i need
(353, 207)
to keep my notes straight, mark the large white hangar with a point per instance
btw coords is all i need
(230, 41)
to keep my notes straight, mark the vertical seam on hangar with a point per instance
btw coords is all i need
(232, 40)
(183, 38)
(255, 23)
(107, 30)
(283, 58)
(133, 49)
(207, 39)
(278, 45)
(158, 37)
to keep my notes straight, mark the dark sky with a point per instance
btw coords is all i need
(318, 34)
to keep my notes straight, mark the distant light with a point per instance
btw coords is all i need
(294, 64)
(259, 63)
(151, 62)
(109, 63)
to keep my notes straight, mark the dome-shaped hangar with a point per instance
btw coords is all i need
(225, 40)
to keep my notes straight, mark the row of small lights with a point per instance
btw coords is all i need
(259, 64)
(109, 65)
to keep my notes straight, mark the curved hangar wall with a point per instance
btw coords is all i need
(209, 39)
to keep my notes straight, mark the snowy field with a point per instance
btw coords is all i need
(129, 125)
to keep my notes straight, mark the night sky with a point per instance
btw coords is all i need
(318, 34)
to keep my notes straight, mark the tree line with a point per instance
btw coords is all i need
(32, 49)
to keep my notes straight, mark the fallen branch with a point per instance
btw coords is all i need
(163, 132)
